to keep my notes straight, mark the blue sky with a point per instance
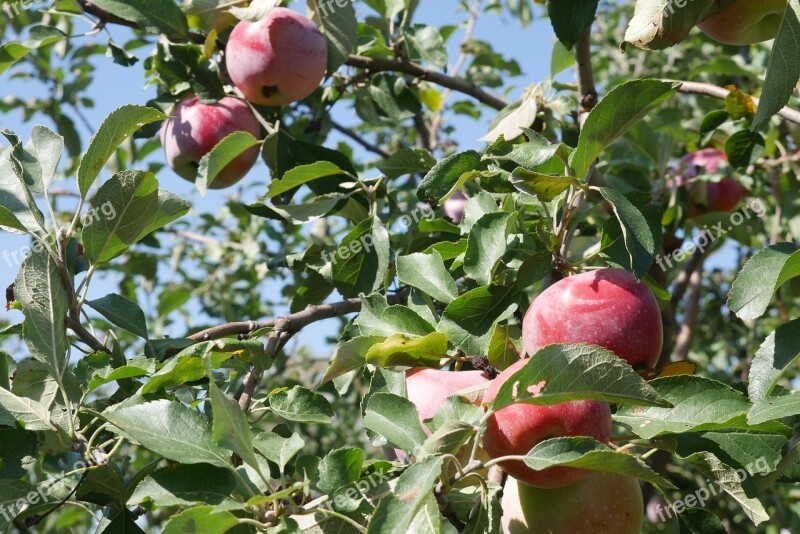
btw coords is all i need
(115, 85)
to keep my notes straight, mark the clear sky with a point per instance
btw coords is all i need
(115, 85)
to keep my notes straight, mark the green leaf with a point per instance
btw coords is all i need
(231, 429)
(339, 468)
(340, 28)
(277, 448)
(188, 365)
(659, 24)
(699, 404)
(425, 44)
(361, 261)
(40, 288)
(300, 404)
(588, 453)
(170, 208)
(47, 146)
(427, 273)
(447, 439)
(170, 429)
(40, 36)
(486, 245)
(118, 126)
(779, 352)
(545, 187)
(185, 485)
(570, 19)
(119, 214)
(392, 95)
(27, 412)
(205, 519)
(302, 175)
(18, 445)
(407, 161)
(761, 277)
(639, 240)
(377, 318)
(444, 175)
(784, 68)
(560, 373)
(727, 479)
(399, 350)
(16, 197)
(772, 408)
(396, 511)
(9, 221)
(150, 15)
(396, 419)
(469, 320)
(12, 491)
(122, 313)
(620, 110)
(504, 346)
(744, 147)
(223, 153)
(700, 521)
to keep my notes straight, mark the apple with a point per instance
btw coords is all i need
(744, 22)
(196, 128)
(277, 60)
(516, 429)
(606, 307)
(723, 196)
(429, 388)
(454, 206)
(601, 503)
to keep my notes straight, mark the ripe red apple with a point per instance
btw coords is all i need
(195, 130)
(429, 388)
(723, 196)
(516, 429)
(454, 206)
(607, 307)
(601, 503)
(744, 22)
(277, 60)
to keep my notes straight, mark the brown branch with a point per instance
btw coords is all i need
(707, 89)
(375, 149)
(290, 323)
(686, 333)
(407, 67)
(95, 344)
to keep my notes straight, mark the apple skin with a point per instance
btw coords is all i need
(429, 388)
(195, 130)
(516, 429)
(454, 206)
(745, 22)
(277, 60)
(723, 196)
(606, 307)
(601, 503)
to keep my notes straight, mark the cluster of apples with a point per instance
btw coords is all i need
(605, 307)
(722, 196)
(274, 61)
(744, 22)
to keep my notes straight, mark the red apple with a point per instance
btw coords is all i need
(607, 307)
(429, 388)
(454, 206)
(744, 22)
(195, 130)
(516, 429)
(723, 196)
(601, 503)
(277, 60)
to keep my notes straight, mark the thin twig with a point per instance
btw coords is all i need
(375, 149)
(707, 89)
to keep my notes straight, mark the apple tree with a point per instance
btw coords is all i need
(362, 320)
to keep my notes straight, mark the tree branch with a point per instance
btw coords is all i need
(707, 89)
(375, 149)
(587, 92)
(407, 67)
(109, 18)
